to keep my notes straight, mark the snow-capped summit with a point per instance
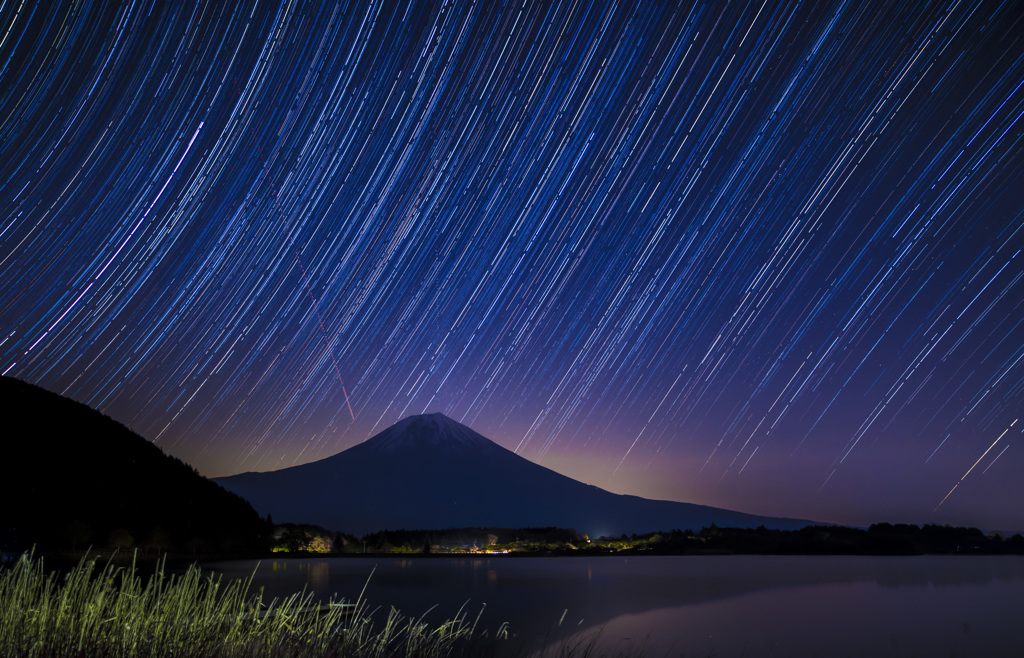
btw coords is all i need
(430, 431)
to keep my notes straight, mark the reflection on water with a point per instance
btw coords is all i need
(853, 619)
(695, 605)
(319, 578)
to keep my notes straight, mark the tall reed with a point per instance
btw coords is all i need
(109, 611)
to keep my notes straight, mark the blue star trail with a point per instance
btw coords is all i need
(757, 255)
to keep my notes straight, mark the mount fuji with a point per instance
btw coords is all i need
(431, 472)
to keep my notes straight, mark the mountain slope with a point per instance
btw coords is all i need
(72, 477)
(432, 472)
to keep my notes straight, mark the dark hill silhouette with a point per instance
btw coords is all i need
(71, 477)
(432, 472)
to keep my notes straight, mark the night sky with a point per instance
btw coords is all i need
(761, 256)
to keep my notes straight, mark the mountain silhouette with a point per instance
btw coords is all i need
(431, 472)
(71, 477)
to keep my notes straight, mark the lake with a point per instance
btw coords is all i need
(692, 605)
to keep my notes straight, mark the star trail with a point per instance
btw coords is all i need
(757, 255)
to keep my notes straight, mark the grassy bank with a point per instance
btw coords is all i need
(97, 609)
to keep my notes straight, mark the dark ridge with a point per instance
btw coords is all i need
(71, 478)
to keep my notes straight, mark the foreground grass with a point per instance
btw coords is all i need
(107, 610)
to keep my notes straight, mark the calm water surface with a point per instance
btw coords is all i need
(693, 605)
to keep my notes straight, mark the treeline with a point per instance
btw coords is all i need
(879, 539)
(304, 538)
